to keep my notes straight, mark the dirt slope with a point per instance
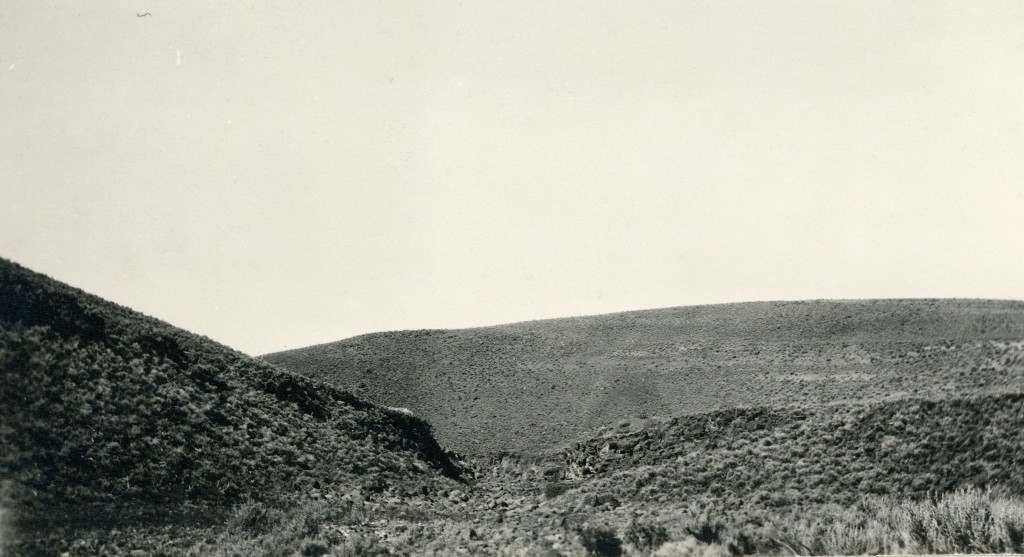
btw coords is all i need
(529, 386)
(104, 408)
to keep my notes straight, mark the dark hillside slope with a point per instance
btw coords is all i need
(532, 385)
(895, 477)
(775, 457)
(105, 407)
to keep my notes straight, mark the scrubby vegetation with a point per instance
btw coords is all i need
(894, 477)
(111, 414)
(778, 457)
(122, 435)
(653, 509)
(531, 386)
(735, 482)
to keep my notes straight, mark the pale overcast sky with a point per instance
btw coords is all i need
(277, 174)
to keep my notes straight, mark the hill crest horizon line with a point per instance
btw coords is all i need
(651, 309)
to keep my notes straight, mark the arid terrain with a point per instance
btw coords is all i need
(533, 386)
(824, 427)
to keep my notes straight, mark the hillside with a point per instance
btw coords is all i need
(122, 435)
(880, 478)
(900, 477)
(110, 416)
(530, 386)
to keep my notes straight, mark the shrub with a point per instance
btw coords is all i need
(965, 521)
(554, 489)
(707, 532)
(646, 537)
(600, 541)
(254, 519)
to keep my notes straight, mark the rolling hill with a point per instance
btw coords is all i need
(111, 417)
(784, 428)
(528, 387)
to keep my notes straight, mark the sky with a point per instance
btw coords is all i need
(277, 174)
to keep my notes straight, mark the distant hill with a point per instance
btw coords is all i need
(104, 407)
(530, 386)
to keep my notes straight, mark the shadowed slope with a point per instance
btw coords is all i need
(532, 385)
(104, 407)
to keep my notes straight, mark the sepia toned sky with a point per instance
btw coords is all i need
(277, 174)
